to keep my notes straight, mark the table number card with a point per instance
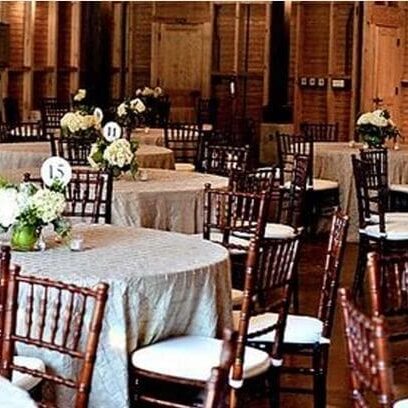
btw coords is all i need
(98, 114)
(56, 168)
(112, 131)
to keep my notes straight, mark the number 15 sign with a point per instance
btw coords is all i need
(56, 168)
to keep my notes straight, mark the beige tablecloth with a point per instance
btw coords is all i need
(149, 136)
(333, 161)
(169, 200)
(162, 284)
(18, 155)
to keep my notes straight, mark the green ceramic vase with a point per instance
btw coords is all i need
(24, 238)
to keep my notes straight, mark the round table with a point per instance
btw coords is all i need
(161, 284)
(149, 136)
(169, 200)
(12, 396)
(332, 161)
(18, 155)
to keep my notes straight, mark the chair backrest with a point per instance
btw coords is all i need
(388, 282)
(368, 356)
(183, 139)
(320, 132)
(73, 149)
(232, 212)
(88, 195)
(288, 147)
(332, 270)
(265, 179)
(207, 110)
(378, 166)
(52, 112)
(372, 193)
(293, 194)
(23, 132)
(56, 316)
(217, 385)
(223, 160)
(269, 278)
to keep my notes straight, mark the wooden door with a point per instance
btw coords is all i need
(381, 74)
(181, 65)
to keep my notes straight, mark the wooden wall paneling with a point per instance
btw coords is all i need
(298, 66)
(267, 45)
(4, 12)
(131, 55)
(75, 46)
(51, 62)
(116, 49)
(330, 110)
(28, 56)
(355, 80)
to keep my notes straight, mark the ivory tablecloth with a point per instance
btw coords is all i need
(149, 136)
(169, 200)
(162, 284)
(333, 161)
(18, 155)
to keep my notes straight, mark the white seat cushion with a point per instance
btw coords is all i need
(26, 381)
(217, 236)
(237, 297)
(192, 357)
(400, 188)
(319, 185)
(401, 403)
(185, 167)
(396, 227)
(279, 231)
(299, 329)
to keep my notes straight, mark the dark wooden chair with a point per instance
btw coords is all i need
(199, 354)
(368, 357)
(183, 139)
(57, 323)
(321, 195)
(217, 386)
(388, 277)
(223, 160)
(378, 160)
(88, 195)
(207, 111)
(23, 132)
(309, 336)
(320, 132)
(73, 149)
(378, 229)
(52, 112)
(23, 380)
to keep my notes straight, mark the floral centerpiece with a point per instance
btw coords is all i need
(80, 102)
(80, 124)
(151, 93)
(118, 156)
(375, 127)
(26, 208)
(129, 112)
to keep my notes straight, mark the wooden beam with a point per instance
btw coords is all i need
(28, 49)
(52, 54)
(354, 107)
(330, 100)
(297, 113)
(74, 58)
(267, 50)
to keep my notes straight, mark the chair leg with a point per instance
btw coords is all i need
(320, 356)
(358, 282)
(274, 387)
(295, 293)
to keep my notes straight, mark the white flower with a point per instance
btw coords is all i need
(92, 162)
(157, 91)
(80, 95)
(71, 122)
(137, 105)
(9, 207)
(147, 91)
(378, 120)
(119, 153)
(138, 92)
(121, 110)
(364, 119)
(48, 204)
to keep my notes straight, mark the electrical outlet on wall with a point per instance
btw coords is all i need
(312, 81)
(321, 82)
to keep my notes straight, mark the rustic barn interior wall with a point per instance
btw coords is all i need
(48, 52)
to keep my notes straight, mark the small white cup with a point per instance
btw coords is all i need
(146, 129)
(77, 243)
(352, 143)
(143, 175)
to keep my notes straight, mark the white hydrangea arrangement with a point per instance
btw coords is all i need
(80, 124)
(118, 156)
(150, 92)
(27, 205)
(374, 127)
(129, 111)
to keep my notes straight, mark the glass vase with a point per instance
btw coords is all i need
(24, 238)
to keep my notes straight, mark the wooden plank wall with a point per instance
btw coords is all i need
(45, 48)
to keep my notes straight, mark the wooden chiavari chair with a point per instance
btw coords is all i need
(88, 195)
(265, 275)
(183, 139)
(378, 160)
(368, 357)
(207, 110)
(52, 112)
(379, 230)
(20, 379)
(388, 286)
(322, 195)
(320, 132)
(56, 323)
(224, 160)
(217, 385)
(22, 132)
